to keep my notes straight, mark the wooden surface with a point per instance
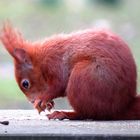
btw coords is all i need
(28, 124)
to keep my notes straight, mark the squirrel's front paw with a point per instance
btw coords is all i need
(50, 105)
(42, 105)
(60, 115)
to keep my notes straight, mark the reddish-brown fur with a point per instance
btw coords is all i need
(94, 69)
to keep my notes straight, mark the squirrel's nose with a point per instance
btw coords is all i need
(32, 101)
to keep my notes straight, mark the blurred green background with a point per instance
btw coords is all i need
(37, 19)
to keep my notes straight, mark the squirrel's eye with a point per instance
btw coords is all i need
(25, 84)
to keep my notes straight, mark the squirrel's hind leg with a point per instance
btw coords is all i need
(61, 115)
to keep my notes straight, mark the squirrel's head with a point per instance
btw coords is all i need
(27, 71)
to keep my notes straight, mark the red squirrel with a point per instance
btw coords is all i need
(94, 69)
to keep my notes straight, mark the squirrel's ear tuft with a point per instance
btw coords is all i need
(14, 44)
(11, 38)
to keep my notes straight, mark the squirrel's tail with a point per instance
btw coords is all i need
(132, 112)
